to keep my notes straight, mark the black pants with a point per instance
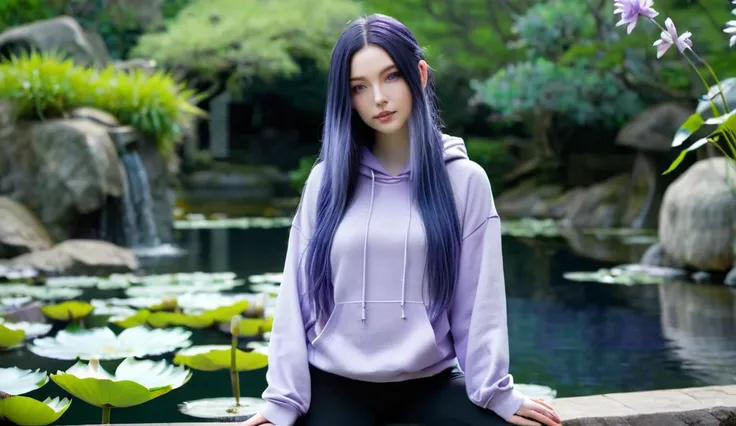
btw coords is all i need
(440, 400)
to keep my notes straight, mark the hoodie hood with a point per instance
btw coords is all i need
(453, 149)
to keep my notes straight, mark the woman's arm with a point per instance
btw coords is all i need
(288, 393)
(478, 313)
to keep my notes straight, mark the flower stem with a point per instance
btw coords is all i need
(106, 415)
(234, 376)
(718, 83)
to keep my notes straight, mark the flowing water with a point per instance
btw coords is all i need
(138, 222)
(577, 338)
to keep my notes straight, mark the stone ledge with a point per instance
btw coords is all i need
(704, 406)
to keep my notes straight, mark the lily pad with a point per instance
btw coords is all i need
(10, 338)
(24, 411)
(32, 329)
(220, 359)
(71, 310)
(201, 222)
(222, 408)
(134, 382)
(104, 344)
(627, 275)
(530, 228)
(162, 319)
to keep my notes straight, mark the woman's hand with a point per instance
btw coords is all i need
(257, 420)
(534, 412)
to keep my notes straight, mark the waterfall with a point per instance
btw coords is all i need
(139, 225)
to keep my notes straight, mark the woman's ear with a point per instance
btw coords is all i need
(423, 70)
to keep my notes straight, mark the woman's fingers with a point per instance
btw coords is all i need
(547, 411)
(540, 416)
(521, 421)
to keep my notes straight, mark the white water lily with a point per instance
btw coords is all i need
(21, 410)
(201, 222)
(159, 290)
(15, 381)
(32, 329)
(14, 302)
(186, 301)
(39, 292)
(134, 382)
(268, 277)
(103, 308)
(104, 344)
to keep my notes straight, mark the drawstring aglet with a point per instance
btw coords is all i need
(362, 316)
(403, 312)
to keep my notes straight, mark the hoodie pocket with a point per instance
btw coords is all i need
(383, 347)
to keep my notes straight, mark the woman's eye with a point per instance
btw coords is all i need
(358, 88)
(393, 76)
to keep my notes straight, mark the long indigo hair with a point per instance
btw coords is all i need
(343, 135)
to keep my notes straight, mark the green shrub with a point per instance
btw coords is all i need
(494, 157)
(299, 175)
(45, 85)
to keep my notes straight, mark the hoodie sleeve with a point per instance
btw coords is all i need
(288, 393)
(478, 315)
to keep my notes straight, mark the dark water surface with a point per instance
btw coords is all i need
(577, 338)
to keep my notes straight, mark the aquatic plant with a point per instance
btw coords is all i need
(221, 357)
(134, 382)
(104, 344)
(163, 319)
(22, 410)
(45, 84)
(31, 329)
(10, 337)
(71, 310)
(725, 133)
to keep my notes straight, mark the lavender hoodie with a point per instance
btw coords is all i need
(379, 330)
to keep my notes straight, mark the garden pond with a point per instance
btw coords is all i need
(571, 336)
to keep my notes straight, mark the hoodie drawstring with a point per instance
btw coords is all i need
(365, 251)
(365, 241)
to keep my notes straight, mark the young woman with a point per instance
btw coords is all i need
(393, 274)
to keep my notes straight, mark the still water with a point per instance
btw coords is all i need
(577, 338)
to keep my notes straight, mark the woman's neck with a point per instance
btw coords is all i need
(392, 150)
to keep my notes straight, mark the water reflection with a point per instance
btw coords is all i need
(700, 323)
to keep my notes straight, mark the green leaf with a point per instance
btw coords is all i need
(25, 411)
(68, 311)
(690, 126)
(220, 360)
(683, 154)
(10, 338)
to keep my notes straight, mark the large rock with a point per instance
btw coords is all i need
(697, 222)
(60, 169)
(61, 34)
(20, 230)
(80, 257)
(652, 130)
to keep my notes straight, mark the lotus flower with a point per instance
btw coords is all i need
(670, 37)
(631, 10)
(104, 344)
(134, 383)
(22, 410)
(31, 329)
(221, 357)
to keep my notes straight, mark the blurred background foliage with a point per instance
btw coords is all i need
(504, 67)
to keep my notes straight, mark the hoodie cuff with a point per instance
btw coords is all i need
(279, 414)
(505, 404)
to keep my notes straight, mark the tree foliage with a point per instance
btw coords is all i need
(249, 37)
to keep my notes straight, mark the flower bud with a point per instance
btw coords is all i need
(235, 325)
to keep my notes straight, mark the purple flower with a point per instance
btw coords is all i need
(670, 37)
(631, 10)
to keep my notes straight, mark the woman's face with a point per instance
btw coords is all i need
(379, 92)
